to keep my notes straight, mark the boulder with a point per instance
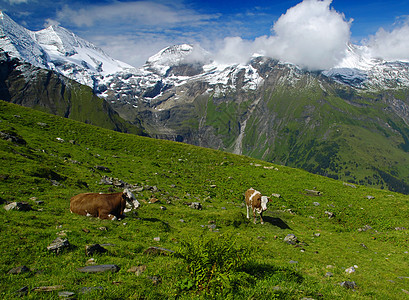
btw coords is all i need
(291, 239)
(58, 245)
(99, 269)
(94, 249)
(23, 206)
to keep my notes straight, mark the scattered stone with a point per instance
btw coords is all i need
(158, 251)
(138, 270)
(155, 279)
(350, 185)
(58, 245)
(182, 221)
(350, 270)
(348, 284)
(293, 262)
(66, 294)
(329, 274)
(291, 239)
(365, 228)
(400, 228)
(90, 250)
(330, 267)
(102, 168)
(329, 214)
(85, 290)
(22, 292)
(316, 203)
(370, 197)
(103, 228)
(276, 195)
(22, 206)
(19, 270)
(86, 230)
(317, 234)
(60, 139)
(405, 291)
(50, 288)
(156, 239)
(313, 192)
(163, 208)
(196, 205)
(153, 200)
(213, 186)
(99, 269)
(90, 261)
(39, 202)
(363, 245)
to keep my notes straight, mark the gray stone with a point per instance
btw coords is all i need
(348, 284)
(329, 274)
(66, 294)
(19, 270)
(58, 245)
(138, 270)
(291, 239)
(22, 206)
(157, 251)
(293, 262)
(196, 205)
(330, 214)
(99, 269)
(102, 168)
(94, 249)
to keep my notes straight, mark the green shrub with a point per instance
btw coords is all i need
(215, 265)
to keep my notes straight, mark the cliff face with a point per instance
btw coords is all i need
(45, 90)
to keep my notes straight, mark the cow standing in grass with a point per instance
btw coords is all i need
(104, 206)
(256, 202)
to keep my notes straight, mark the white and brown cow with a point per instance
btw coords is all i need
(104, 206)
(256, 202)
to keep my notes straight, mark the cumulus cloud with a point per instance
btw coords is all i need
(391, 45)
(310, 34)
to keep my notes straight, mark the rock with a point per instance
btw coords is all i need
(22, 206)
(156, 239)
(58, 245)
(66, 294)
(86, 230)
(106, 180)
(350, 270)
(348, 284)
(317, 234)
(370, 197)
(138, 270)
(19, 270)
(330, 214)
(49, 288)
(99, 269)
(22, 292)
(90, 250)
(276, 195)
(196, 205)
(163, 208)
(102, 168)
(400, 228)
(329, 274)
(293, 262)
(158, 251)
(365, 228)
(313, 192)
(153, 200)
(350, 185)
(155, 279)
(316, 203)
(291, 239)
(90, 261)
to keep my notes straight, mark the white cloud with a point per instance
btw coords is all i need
(391, 45)
(310, 34)
(13, 2)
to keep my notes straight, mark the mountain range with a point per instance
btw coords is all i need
(350, 122)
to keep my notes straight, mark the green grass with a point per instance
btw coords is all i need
(184, 173)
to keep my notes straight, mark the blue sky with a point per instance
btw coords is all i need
(132, 31)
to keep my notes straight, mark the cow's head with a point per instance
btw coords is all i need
(264, 200)
(131, 202)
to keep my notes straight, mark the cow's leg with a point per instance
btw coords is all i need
(254, 215)
(261, 219)
(248, 216)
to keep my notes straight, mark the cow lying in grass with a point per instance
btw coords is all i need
(104, 206)
(256, 202)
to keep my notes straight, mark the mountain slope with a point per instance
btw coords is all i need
(39, 165)
(45, 90)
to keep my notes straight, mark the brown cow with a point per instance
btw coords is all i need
(256, 202)
(104, 206)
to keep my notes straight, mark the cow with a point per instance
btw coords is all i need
(256, 202)
(104, 206)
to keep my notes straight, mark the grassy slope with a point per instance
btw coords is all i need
(185, 173)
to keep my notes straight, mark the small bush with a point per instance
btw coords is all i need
(215, 265)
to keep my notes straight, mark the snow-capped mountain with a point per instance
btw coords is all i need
(168, 74)
(58, 49)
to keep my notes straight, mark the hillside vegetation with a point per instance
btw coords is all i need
(45, 160)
